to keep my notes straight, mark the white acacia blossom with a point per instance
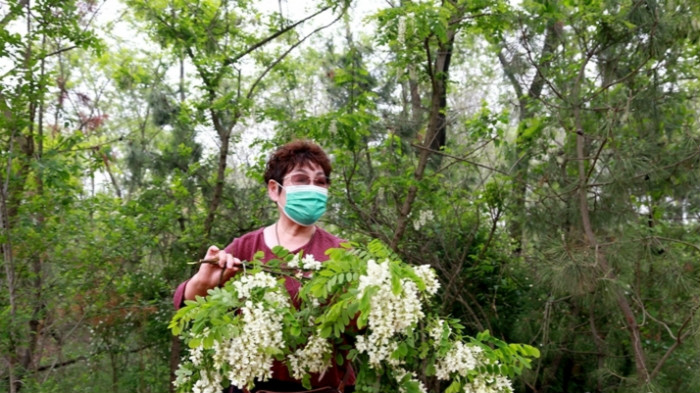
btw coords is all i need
(248, 282)
(390, 313)
(307, 262)
(401, 36)
(400, 373)
(197, 355)
(432, 284)
(208, 383)
(423, 218)
(435, 332)
(315, 357)
(489, 384)
(182, 374)
(249, 354)
(460, 359)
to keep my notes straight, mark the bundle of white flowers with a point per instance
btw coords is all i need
(382, 308)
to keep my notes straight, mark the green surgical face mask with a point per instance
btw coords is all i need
(305, 204)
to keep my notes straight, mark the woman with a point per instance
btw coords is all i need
(297, 178)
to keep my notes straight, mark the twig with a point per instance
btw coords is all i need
(281, 270)
(457, 158)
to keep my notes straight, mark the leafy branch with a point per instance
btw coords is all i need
(362, 295)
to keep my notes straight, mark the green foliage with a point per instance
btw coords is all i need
(108, 172)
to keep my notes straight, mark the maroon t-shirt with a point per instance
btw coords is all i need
(244, 248)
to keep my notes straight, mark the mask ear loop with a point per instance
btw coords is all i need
(280, 187)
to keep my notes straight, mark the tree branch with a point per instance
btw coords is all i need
(291, 48)
(675, 345)
(691, 245)
(65, 363)
(276, 34)
(442, 153)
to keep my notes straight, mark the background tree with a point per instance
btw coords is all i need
(611, 112)
(211, 35)
(36, 175)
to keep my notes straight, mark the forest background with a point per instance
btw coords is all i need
(542, 156)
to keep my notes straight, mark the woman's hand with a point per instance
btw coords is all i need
(211, 275)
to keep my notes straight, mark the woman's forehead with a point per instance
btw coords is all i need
(308, 166)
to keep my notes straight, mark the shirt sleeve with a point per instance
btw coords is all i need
(179, 296)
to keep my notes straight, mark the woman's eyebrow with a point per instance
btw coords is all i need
(301, 170)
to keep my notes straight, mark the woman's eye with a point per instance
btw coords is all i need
(300, 179)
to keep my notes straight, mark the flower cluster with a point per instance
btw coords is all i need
(495, 384)
(207, 383)
(391, 313)
(249, 355)
(308, 262)
(436, 331)
(315, 357)
(248, 282)
(461, 359)
(401, 376)
(429, 278)
(401, 36)
(244, 352)
(424, 217)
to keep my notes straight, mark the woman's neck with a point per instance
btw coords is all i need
(291, 235)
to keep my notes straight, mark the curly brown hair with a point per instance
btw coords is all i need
(301, 153)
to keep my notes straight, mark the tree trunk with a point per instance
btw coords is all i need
(601, 259)
(521, 163)
(225, 140)
(435, 133)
